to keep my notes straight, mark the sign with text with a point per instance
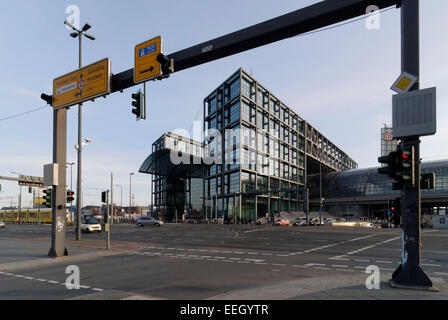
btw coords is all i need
(146, 66)
(83, 84)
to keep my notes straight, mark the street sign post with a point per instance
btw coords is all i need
(83, 84)
(146, 66)
(30, 181)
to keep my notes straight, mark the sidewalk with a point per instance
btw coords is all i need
(17, 254)
(338, 287)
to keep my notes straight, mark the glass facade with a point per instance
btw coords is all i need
(369, 183)
(260, 151)
(173, 196)
(261, 154)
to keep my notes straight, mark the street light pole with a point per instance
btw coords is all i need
(121, 196)
(79, 34)
(130, 192)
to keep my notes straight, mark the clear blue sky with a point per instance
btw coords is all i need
(338, 80)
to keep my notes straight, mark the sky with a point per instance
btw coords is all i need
(339, 80)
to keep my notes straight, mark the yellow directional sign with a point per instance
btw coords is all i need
(146, 66)
(83, 84)
(39, 200)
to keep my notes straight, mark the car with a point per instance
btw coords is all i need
(2, 225)
(90, 225)
(315, 222)
(190, 220)
(299, 222)
(148, 221)
(282, 223)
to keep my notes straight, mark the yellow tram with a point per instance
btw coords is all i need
(28, 216)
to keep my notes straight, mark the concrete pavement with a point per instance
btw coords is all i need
(216, 262)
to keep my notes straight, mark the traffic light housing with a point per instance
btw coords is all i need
(406, 166)
(48, 197)
(138, 105)
(391, 162)
(166, 63)
(104, 197)
(396, 212)
(70, 196)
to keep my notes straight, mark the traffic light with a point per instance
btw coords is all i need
(48, 197)
(391, 168)
(396, 212)
(166, 63)
(139, 105)
(104, 196)
(406, 166)
(70, 196)
(428, 181)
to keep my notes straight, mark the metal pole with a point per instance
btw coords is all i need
(112, 195)
(58, 228)
(320, 187)
(71, 188)
(107, 221)
(20, 205)
(79, 188)
(410, 273)
(130, 189)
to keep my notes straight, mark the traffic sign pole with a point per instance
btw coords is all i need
(58, 227)
(410, 273)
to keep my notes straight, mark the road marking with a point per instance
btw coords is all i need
(363, 249)
(441, 273)
(431, 265)
(361, 260)
(321, 268)
(381, 261)
(279, 264)
(347, 270)
(299, 266)
(315, 264)
(339, 266)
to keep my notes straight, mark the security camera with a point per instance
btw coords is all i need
(87, 140)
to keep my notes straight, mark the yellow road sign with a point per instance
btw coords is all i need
(404, 83)
(83, 84)
(146, 66)
(39, 200)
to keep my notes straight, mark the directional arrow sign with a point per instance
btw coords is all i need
(146, 66)
(81, 85)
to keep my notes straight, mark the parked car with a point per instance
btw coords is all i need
(315, 222)
(190, 220)
(2, 225)
(91, 225)
(282, 223)
(299, 222)
(148, 221)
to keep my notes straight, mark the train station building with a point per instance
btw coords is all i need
(255, 159)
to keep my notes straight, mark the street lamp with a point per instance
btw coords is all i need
(121, 192)
(20, 196)
(71, 186)
(130, 188)
(79, 34)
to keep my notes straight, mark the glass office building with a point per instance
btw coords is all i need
(177, 181)
(263, 152)
(253, 163)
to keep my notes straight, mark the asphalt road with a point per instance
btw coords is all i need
(219, 261)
